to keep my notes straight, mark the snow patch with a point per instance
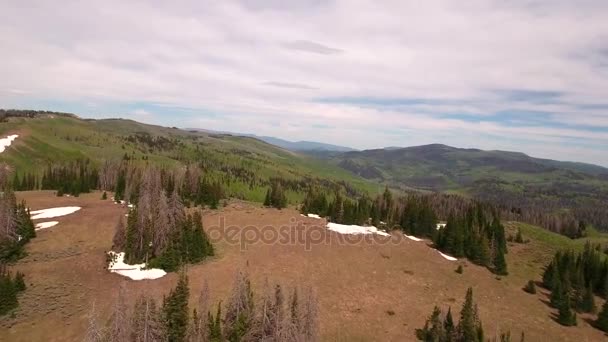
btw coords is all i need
(451, 258)
(412, 238)
(134, 272)
(441, 225)
(6, 142)
(314, 216)
(45, 225)
(53, 212)
(354, 229)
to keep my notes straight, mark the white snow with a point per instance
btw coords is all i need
(44, 225)
(135, 272)
(314, 216)
(53, 212)
(441, 225)
(451, 258)
(354, 229)
(412, 237)
(6, 142)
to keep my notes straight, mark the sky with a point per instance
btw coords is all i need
(522, 75)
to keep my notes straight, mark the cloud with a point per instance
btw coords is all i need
(487, 74)
(289, 85)
(309, 46)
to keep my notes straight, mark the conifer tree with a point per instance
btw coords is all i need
(175, 310)
(500, 264)
(602, 318)
(566, 317)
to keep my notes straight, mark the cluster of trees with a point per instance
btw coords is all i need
(72, 178)
(574, 279)
(26, 113)
(275, 196)
(442, 328)
(10, 287)
(16, 227)
(159, 231)
(477, 235)
(270, 317)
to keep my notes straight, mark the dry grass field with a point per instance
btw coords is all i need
(357, 283)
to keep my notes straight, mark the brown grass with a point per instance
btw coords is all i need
(358, 285)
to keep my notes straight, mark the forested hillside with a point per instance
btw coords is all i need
(570, 193)
(56, 146)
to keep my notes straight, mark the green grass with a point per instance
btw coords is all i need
(47, 140)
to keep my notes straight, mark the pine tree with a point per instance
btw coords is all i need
(19, 282)
(566, 317)
(448, 325)
(588, 301)
(602, 318)
(500, 264)
(469, 326)
(175, 310)
(8, 294)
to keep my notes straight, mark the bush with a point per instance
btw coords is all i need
(459, 270)
(530, 287)
(104, 196)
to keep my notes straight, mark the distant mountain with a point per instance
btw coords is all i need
(441, 167)
(298, 146)
(508, 178)
(304, 145)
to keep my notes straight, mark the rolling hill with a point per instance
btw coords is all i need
(509, 178)
(249, 163)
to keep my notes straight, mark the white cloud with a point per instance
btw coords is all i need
(261, 66)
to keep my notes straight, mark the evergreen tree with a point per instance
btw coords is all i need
(588, 301)
(500, 264)
(104, 196)
(8, 294)
(215, 325)
(19, 282)
(602, 318)
(469, 326)
(175, 310)
(566, 317)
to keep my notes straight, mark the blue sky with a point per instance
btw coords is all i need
(524, 75)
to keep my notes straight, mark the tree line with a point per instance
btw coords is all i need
(474, 230)
(574, 280)
(272, 316)
(158, 229)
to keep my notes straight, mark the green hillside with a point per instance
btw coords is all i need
(507, 178)
(249, 164)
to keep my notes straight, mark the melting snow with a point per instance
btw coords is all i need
(451, 258)
(53, 212)
(355, 230)
(6, 142)
(412, 237)
(135, 272)
(44, 225)
(441, 225)
(314, 216)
